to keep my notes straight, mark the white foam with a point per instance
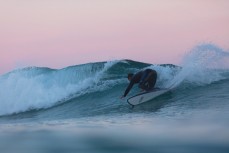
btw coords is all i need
(26, 89)
(200, 66)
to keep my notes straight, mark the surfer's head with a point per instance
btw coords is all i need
(129, 76)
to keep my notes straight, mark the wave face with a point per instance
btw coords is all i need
(95, 88)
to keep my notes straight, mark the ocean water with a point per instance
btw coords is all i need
(78, 108)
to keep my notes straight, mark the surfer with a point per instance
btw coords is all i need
(146, 78)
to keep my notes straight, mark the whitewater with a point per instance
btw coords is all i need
(82, 103)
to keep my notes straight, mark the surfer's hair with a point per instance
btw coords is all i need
(130, 75)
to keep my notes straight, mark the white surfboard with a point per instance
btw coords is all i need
(146, 96)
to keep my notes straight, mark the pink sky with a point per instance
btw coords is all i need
(60, 33)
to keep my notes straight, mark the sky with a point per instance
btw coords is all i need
(60, 33)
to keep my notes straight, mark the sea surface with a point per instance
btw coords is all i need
(78, 108)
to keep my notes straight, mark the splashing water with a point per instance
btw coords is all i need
(40, 88)
(35, 88)
(201, 65)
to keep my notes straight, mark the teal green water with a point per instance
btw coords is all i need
(78, 109)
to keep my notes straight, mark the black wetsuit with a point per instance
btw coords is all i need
(146, 79)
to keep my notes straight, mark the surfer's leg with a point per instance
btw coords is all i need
(144, 86)
(144, 76)
(142, 83)
(148, 80)
(152, 78)
(147, 85)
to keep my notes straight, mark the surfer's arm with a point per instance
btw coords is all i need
(128, 88)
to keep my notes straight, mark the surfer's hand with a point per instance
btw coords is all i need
(122, 97)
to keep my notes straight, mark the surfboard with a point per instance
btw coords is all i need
(146, 96)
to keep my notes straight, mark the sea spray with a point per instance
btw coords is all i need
(35, 88)
(201, 65)
(39, 88)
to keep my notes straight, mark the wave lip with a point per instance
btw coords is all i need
(36, 88)
(40, 88)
